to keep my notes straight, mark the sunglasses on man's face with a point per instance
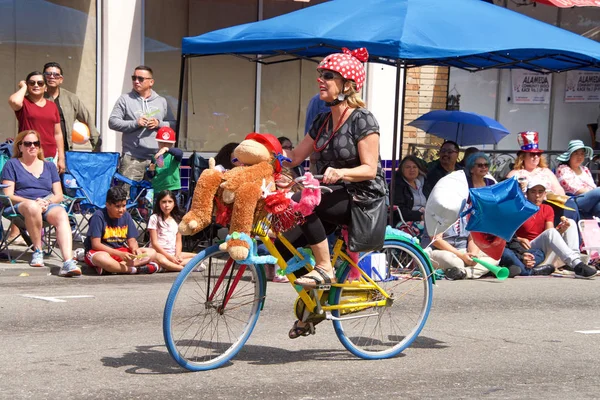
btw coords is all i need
(140, 79)
(52, 75)
(39, 83)
(328, 75)
(29, 144)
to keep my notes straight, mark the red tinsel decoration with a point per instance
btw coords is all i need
(223, 215)
(277, 203)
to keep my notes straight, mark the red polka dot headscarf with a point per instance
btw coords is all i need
(348, 64)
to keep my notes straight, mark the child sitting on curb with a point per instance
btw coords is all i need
(111, 244)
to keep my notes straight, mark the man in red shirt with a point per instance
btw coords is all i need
(538, 232)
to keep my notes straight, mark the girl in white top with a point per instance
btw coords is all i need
(164, 234)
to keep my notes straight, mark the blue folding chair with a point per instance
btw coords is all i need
(88, 178)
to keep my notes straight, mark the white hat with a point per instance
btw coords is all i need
(536, 182)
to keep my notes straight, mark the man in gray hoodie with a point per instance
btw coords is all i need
(138, 115)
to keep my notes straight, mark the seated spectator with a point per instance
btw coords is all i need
(577, 180)
(531, 164)
(538, 234)
(287, 144)
(453, 252)
(445, 165)
(33, 186)
(466, 154)
(455, 248)
(164, 233)
(224, 159)
(408, 194)
(111, 245)
(477, 168)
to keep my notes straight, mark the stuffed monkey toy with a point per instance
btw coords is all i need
(242, 187)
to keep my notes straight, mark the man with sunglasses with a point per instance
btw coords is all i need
(442, 167)
(70, 107)
(138, 115)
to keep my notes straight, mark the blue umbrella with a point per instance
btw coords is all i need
(465, 128)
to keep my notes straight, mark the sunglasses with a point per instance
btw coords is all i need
(29, 144)
(328, 75)
(140, 79)
(52, 74)
(39, 83)
(482, 165)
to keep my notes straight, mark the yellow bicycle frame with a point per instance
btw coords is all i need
(363, 283)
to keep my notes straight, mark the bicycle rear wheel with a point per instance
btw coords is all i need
(383, 332)
(211, 310)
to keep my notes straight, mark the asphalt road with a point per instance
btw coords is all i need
(484, 339)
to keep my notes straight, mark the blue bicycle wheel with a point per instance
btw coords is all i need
(211, 310)
(383, 332)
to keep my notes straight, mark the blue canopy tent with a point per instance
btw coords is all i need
(468, 34)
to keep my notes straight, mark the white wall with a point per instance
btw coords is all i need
(557, 122)
(121, 51)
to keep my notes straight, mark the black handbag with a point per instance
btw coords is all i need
(368, 221)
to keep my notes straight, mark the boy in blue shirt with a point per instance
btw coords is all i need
(111, 243)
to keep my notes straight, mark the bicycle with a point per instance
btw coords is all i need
(214, 303)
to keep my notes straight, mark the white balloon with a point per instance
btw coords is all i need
(446, 201)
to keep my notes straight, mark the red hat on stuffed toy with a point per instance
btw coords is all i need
(529, 142)
(165, 134)
(349, 64)
(271, 143)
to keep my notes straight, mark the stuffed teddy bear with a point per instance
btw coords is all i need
(240, 188)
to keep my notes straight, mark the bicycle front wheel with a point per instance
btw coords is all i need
(211, 310)
(383, 332)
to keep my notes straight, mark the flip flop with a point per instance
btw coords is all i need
(298, 331)
(322, 280)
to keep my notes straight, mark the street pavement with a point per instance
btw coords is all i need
(524, 338)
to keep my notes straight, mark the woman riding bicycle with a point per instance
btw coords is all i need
(345, 143)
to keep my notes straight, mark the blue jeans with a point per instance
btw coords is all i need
(510, 258)
(589, 203)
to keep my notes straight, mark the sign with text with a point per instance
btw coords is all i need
(530, 87)
(582, 87)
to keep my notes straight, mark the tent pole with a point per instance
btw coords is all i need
(180, 100)
(400, 80)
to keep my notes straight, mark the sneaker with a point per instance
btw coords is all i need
(514, 270)
(545, 269)
(69, 269)
(280, 279)
(37, 259)
(455, 274)
(99, 270)
(149, 268)
(584, 271)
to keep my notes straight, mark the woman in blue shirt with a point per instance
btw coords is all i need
(33, 187)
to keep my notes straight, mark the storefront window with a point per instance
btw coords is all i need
(35, 32)
(220, 95)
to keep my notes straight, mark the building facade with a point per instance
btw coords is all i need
(99, 42)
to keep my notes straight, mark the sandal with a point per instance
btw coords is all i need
(322, 279)
(298, 331)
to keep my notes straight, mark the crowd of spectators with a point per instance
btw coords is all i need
(548, 242)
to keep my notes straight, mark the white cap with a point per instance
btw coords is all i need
(536, 182)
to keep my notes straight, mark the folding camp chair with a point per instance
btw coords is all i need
(88, 178)
(590, 233)
(49, 241)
